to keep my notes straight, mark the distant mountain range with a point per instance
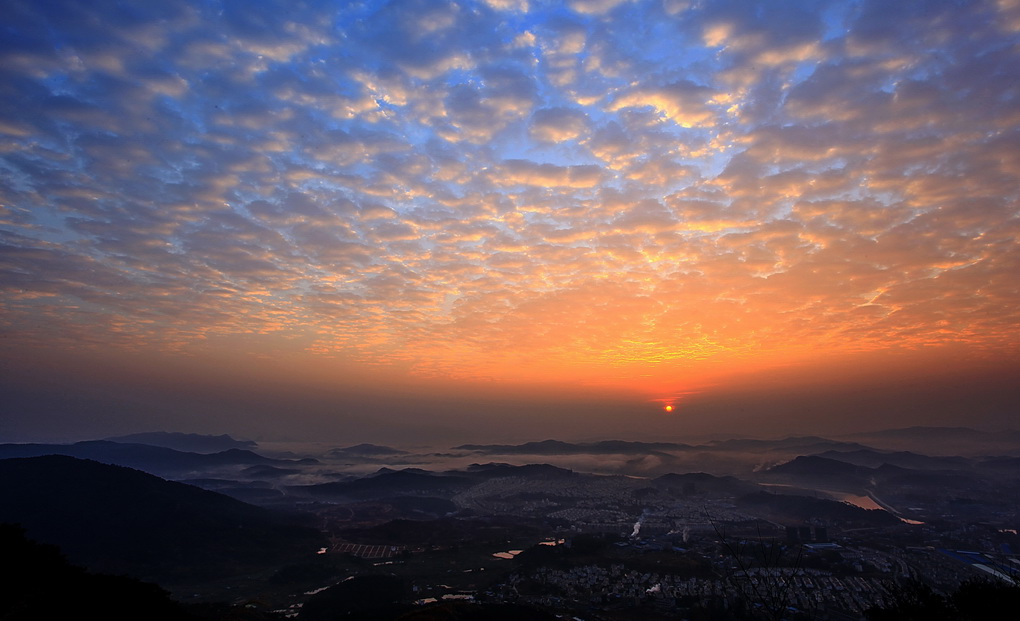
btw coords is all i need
(789, 465)
(904, 459)
(387, 482)
(191, 443)
(942, 440)
(621, 447)
(556, 447)
(530, 471)
(929, 433)
(800, 444)
(920, 448)
(159, 460)
(188, 442)
(962, 481)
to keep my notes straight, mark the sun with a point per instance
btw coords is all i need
(668, 408)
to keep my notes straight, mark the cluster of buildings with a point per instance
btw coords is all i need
(597, 586)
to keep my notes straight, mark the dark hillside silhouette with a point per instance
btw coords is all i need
(39, 583)
(119, 520)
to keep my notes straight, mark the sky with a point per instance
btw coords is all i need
(508, 219)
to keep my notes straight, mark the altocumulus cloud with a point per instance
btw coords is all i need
(502, 189)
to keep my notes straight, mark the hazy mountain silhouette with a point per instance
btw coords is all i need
(529, 471)
(367, 450)
(695, 483)
(800, 444)
(821, 467)
(557, 447)
(804, 444)
(188, 442)
(1001, 465)
(389, 482)
(152, 459)
(904, 459)
(268, 472)
(941, 440)
(947, 433)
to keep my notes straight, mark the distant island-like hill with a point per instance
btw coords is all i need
(189, 442)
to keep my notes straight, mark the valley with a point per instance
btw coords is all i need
(832, 530)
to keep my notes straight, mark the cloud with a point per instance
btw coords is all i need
(646, 216)
(524, 172)
(622, 192)
(558, 124)
(683, 102)
(595, 6)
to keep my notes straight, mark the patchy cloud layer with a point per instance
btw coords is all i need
(602, 191)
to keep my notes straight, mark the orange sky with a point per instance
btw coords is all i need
(509, 217)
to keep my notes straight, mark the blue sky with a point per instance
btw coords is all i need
(654, 201)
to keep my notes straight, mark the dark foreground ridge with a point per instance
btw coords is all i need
(118, 520)
(39, 583)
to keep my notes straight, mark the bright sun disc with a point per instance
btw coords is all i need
(668, 408)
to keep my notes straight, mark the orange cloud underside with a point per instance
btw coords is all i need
(569, 206)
